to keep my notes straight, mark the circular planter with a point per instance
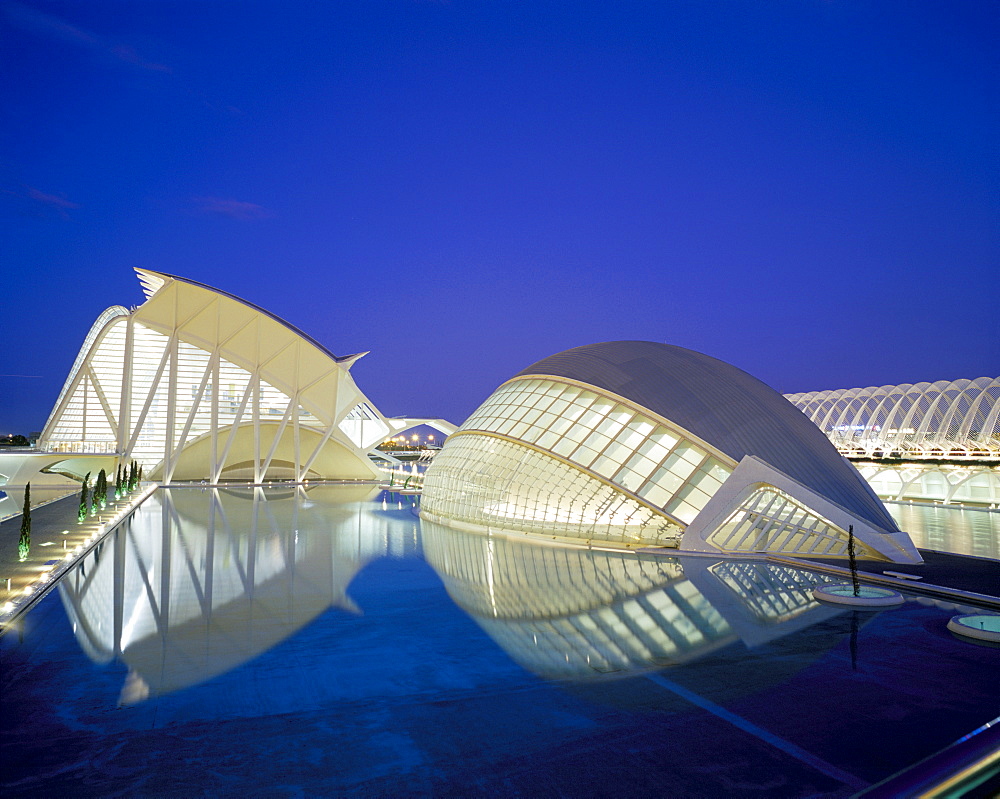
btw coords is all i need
(869, 596)
(982, 626)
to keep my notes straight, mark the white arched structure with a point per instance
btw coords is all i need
(946, 419)
(945, 484)
(196, 384)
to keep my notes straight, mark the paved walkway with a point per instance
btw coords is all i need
(55, 534)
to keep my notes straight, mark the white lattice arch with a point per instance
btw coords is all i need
(956, 418)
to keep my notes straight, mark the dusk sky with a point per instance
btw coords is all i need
(808, 189)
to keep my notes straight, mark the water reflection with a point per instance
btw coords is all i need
(201, 581)
(964, 531)
(573, 613)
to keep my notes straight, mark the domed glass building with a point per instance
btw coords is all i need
(641, 444)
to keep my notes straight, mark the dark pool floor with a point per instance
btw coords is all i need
(412, 697)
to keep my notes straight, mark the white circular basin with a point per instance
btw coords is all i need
(868, 596)
(983, 626)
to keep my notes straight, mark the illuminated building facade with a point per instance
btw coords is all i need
(198, 385)
(639, 444)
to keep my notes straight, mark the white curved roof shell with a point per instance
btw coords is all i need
(199, 385)
(642, 443)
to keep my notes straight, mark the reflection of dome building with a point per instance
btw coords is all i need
(573, 613)
(643, 443)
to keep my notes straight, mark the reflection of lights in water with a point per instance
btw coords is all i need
(489, 576)
(507, 510)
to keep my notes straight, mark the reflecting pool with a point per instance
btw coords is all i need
(950, 528)
(321, 641)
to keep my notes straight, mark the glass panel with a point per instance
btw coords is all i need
(518, 430)
(616, 453)
(664, 438)
(639, 464)
(655, 494)
(612, 424)
(654, 451)
(584, 456)
(564, 447)
(634, 434)
(685, 512)
(666, 480)
(676, 466)
(596, 441)
(547, 439)
(629, 479)
(690, 453)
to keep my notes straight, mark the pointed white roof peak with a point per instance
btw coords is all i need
(151, 282)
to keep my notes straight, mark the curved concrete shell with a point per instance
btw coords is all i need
(642, 443)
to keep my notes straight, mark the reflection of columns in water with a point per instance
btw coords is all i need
(967, 531)
(199, 581)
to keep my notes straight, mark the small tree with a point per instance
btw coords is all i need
(118, 483)
(852, 558)
(84, 499)
(131, 477)
(24, 542)
(139, 477)
(101, 494)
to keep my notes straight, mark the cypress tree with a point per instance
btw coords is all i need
(118, 483)
(140, 473)
(131, 477)
(24, 542)
(84, 499)
(102, 488)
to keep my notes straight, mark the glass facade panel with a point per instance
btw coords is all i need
(611, 439)
(496, 483)
(772, 521)
(676, 466)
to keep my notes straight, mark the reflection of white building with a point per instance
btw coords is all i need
(200, 581)
(572, 613)
(197, 384)
(642, 443)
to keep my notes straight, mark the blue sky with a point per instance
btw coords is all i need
(808, 190)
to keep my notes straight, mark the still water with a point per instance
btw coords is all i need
(322, 641)
(964, 531)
